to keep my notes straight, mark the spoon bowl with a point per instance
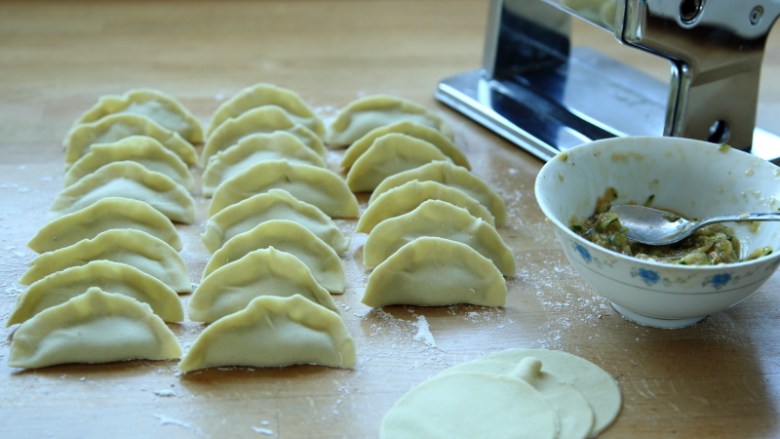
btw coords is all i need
(659, 227)
(697, 178)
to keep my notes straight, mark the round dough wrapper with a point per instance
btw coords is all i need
(574, 412)
(596, 385)
(446, 407)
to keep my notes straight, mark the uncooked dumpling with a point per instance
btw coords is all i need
(143, 150)
(408, 196)
(470, 405)
(105, 214)
(310, 184)
(263, 272)
(95, 327)
(113, 277)
(258, 120)
(290, 237)
(253, 149)
(118, 126)
(422, 132)
(371, 112)
(274, 204)
(450, 175)
(388, 155)
(274, 332)
(260, 95)
(134, 247)
(128, 180)
(435, 272)
(156, 105)
(441, 219)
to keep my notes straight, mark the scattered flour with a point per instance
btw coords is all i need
(165, 420)
(263, 430)
(165, 393)
(424, 332)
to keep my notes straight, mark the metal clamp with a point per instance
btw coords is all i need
(546, 96)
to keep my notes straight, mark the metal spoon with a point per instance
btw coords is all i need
(657, 227)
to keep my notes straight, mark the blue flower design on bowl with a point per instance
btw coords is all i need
(583, 252)
(650, 277)
(719, 280)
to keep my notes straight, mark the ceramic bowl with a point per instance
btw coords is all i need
(695, 178)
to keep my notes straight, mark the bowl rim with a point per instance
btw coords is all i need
(583, 148)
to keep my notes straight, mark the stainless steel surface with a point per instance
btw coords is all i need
(545, 96)
(716, 52)
(657, 227)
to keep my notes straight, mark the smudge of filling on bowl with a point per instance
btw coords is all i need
(710, 245)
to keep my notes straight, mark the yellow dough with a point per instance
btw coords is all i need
(416, 130)
(266, 119)
(368, 113)
(453, 176)
(290, 237)
(113, 277)
(389, 155)
(253, 149)
(127, 180)
(118, 126)
(264, 272)
(435, 272)
(470, 405)
(154, 104)
(594, 384)
(317, 186)
(408, 196)
(441, 219)
(143, 150)
(95, 327)
(105, 214)
(459, 401)
(274, 332)
(260, 95)
(133, 247)
(271, 205)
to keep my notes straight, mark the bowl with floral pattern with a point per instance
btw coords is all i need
(692, 178)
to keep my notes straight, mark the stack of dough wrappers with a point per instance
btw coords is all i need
(517, 393)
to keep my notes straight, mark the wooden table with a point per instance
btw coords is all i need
(720, 378)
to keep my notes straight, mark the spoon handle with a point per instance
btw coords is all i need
(759, 216)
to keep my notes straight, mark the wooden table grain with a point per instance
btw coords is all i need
(717, 379)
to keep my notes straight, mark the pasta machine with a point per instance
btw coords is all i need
(545, 95)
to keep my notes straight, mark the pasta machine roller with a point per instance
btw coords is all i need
(543, 94)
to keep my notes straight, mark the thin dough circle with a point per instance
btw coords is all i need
(595, 384)
(445, 407)
(574, 412)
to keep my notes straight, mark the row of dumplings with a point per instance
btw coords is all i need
(266, 290)
(117, 235)
(431, 223)
(403, 153)
(271, 215)
(108, 271)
